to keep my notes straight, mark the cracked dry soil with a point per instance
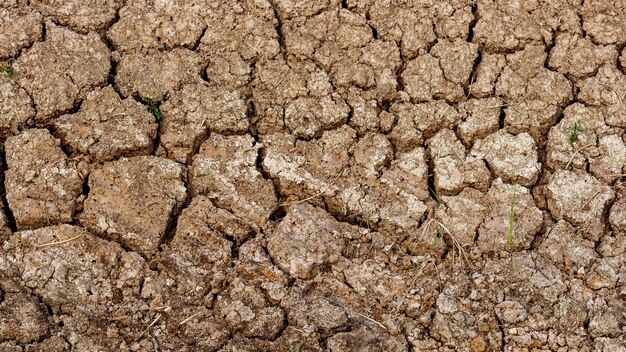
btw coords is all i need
(357, 175)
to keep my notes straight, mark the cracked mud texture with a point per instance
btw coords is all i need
(284, 175)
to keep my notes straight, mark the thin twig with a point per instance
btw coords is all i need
(458, 245)
(189, 318)
(576, 152)
(338, 304)
(149, 326)
(60, 242)
(315, 195)
(589, 200)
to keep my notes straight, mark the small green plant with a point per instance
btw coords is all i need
(511, 217)
(434, 194)
(573, 132)
(573, 238)
(7, 70)
(153, 108)
(211, 183)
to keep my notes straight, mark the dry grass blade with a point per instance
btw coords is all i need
(189, 318)
(338, 304)
(148, 328)
(61, 241)
(288, 204)
(576, 152)
(456, 243)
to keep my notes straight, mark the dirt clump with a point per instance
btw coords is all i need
(454, 170)
(20, 28)
(58, 72)
(120, 191)
(80, 16)
(44, 186)
(287, 175)
(190, 113)
(581, 199)
(107, 127)
(16, 108)
(512, 158)
(233, 181)
(153, 76)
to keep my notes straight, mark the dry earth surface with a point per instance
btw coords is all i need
(290, 175)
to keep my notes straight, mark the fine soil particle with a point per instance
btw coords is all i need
(286, 175)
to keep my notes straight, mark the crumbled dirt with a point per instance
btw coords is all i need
(284, 175)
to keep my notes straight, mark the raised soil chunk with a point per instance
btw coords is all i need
(16, 107)
(512, 158)
(342, 43)
(22, 317)
(297, 96)
(417, 122)
(199, 256)
(462, 215)
(59, 72)
(225, 171)
(147, 26)
(481, 117)
(20, 28)
(189, 114)
(580, 199)
(134, 200)
(583, 139)
(107, 127)
(43, 185)
(617, 216)
(503, 26)
(83, 279)
(238, 35)
(414, 27)
(442, 74)
(578, 57)
(607, 90)
(512, 220)
(80, 15)
(307, 239)
(604, 21)
(390, 198)
(453, 170)
(533, 94)
(567, 248)
(486, 75)
(154, 76)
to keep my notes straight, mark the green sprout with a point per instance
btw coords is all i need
(211, 182)
(7, 70)
(436, 237)
(434, 194)
(153, 108)
(511, 217)
(573, 136)
(571, 239)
